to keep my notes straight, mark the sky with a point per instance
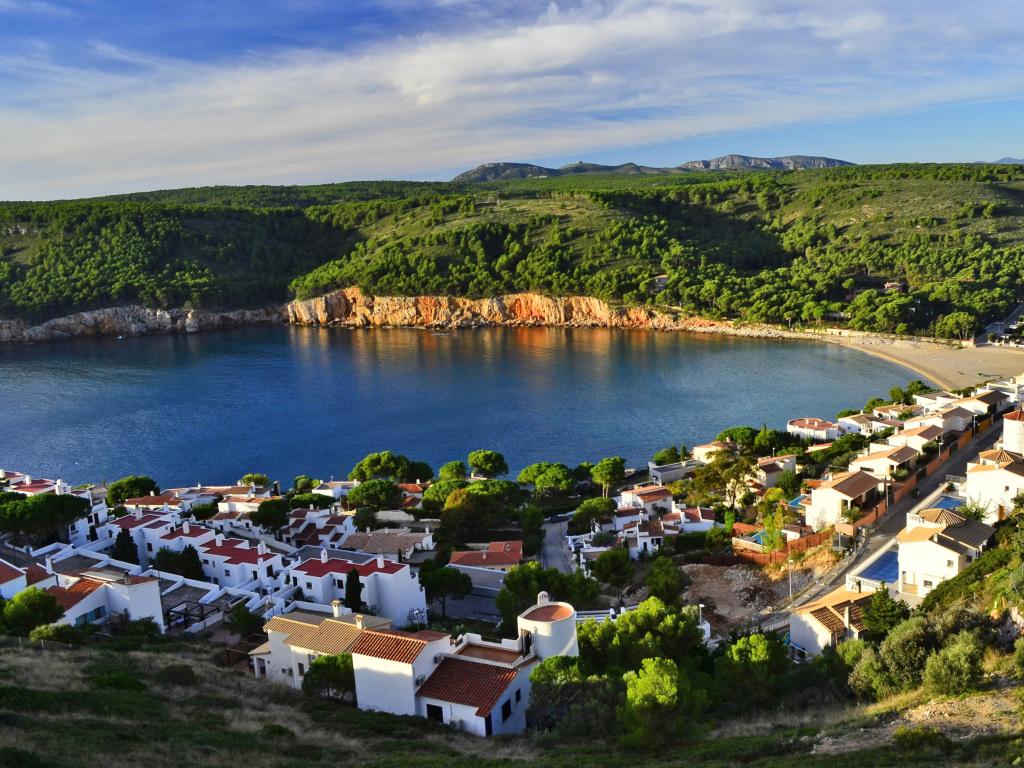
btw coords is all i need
(103, 96)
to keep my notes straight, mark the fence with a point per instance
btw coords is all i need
(747, 552)
(24, 644)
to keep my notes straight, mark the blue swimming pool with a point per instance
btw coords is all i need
(948, 502)
(759, 537)
(886, 568)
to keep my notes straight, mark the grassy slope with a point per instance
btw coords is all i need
(106, 708)
(600, 234)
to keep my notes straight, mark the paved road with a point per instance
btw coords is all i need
(896, 519)
(999, 326)
(553, 553)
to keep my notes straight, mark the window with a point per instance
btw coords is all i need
(506, 709)
(927, 583)
(302, 669)
(149, 547)
(309, 585)
(434, 712)
(949, 563)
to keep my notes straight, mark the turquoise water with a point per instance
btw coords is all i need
(283, 400)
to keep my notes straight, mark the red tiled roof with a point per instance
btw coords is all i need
(397, 646)
(36, 573)
(194, 531)
(152, 501)
(130, 521)
(313, 567)
(69, 597)
(234, 553)
(470, 683)
(497, 553)
(549, 612)
(9, 572)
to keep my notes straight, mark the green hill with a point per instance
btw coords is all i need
(797, 247)
(166, 705)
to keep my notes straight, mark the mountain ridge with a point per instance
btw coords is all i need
(507, 170)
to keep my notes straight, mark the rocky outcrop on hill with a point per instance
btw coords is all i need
(131, 321)
(350, 307)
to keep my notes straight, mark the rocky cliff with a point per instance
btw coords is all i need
(131, 321)
(350, 307)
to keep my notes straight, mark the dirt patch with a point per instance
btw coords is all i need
(733, 596)
(990, 712)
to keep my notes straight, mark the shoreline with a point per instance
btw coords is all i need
(945, 364)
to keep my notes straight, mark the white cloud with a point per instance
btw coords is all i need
(578, 78)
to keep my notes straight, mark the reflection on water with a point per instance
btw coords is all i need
(288, 400)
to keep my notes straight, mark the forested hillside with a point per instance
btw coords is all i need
(780, 247)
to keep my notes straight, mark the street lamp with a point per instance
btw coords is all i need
(700, 614)
(790, 572)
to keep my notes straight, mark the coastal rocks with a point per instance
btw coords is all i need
(131, 321)
(350, 307)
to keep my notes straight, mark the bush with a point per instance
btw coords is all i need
(1018, 657)
(177, 674)
(904, 652)
(920, 739)
(957, 667)
(275, 731)
(58, 633)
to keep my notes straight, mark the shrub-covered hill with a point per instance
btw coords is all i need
(781, 247)
(167, 706)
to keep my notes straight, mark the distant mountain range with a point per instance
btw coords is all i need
(1010, 161)
(502, 171)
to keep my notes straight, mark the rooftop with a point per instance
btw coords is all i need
(469, 683)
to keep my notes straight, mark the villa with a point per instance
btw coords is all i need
(810, 428)
(497, 556)
(936, 545)
(468, 683)
(834, 497)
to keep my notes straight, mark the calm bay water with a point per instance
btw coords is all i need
(282, 400)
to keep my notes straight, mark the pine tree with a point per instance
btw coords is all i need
(124, 548)
(884, 613)
(353, 591)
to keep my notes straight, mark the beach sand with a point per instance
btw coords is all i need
(948, 367)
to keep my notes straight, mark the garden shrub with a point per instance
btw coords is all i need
(956, 668)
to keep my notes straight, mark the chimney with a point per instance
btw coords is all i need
(126, 578)
(846, 616)
(28, 479)
(323, 555)
(219, 539)
(137, 513)
(59, 487)
(336, 608)
(310, 507)
(184, 528)
(543, 598)
(380, 561)
(359, 621)
(49, 565)
(261, 548)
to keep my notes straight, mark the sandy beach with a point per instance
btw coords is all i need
(948, 367)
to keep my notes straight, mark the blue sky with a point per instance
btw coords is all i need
(102, 96)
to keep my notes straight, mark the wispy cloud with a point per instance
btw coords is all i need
(33, 6)
(572, 78)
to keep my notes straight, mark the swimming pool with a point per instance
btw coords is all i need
(948, 502)
(886, 568)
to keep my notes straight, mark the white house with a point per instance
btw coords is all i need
(858, 423)
(830, 500)
(937, 544)
(669, 473)
(827, 621)
(884, 462)
(811, 428)
(650, 498)
(705, 453)
(397, 544)
(336, 489)
(93, 596)
(770, 468)
(917, 437)
(994, 486)
(473, 685)
(295, 639)
(12, 580)
(389, 589)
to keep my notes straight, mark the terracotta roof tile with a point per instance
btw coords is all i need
(469, 683)
(397, 646)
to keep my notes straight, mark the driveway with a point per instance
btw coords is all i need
(553, 553)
